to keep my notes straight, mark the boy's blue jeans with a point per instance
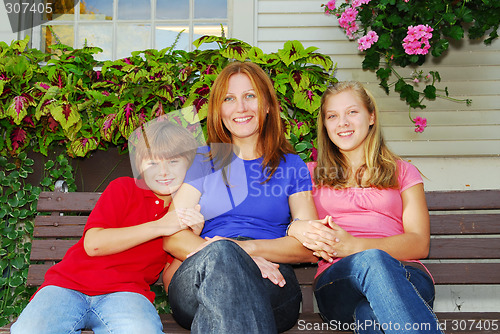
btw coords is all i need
(60, 310)
(220, 289)
(371, 292)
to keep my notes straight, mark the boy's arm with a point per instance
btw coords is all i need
(103, 234)
(106, 241)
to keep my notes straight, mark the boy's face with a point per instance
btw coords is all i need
(164, 176)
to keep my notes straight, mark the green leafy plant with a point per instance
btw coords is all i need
(18, 200)
(402, 32)
(85, 105)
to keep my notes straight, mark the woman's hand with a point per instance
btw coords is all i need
(270, 270)
(191, 218)
(315, 235)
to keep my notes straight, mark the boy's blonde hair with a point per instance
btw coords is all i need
(162, 139)
(333, 169)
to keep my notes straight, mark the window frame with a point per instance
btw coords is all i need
(191, 22)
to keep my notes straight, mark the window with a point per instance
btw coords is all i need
(122, 26)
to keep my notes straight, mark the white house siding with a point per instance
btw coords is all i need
(459, 149)
(6, 34)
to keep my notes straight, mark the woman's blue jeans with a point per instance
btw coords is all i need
(60, 310)
(220, 289)
(371, 292)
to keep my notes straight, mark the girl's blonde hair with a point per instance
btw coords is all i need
(272, 142)
(333, 169)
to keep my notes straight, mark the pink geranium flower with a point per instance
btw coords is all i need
(348, 21)
(331, 5)
(420, 123)
(417, 39)
(367, 41)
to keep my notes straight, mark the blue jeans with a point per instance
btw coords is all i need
(60, 310)
(371, 292)
(220, 289)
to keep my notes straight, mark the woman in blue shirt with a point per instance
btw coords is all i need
(250, 185)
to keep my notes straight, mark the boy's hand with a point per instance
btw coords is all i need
(191, 218)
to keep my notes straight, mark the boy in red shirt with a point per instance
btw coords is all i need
(103, 282)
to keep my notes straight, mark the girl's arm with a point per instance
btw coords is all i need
(412, 244)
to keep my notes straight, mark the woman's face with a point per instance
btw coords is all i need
(347, 122)
(240, 109)
(164, 176)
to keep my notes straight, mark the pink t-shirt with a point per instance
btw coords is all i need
(365, 212)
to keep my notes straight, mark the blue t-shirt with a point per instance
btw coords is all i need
(247, 207)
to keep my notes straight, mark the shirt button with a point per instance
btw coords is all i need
(157, 202)
(156, 215)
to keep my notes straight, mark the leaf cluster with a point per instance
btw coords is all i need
(18, 200)
(74, 101)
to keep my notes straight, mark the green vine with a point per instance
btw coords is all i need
(18, 200)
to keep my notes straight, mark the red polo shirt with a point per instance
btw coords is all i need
(122, 204)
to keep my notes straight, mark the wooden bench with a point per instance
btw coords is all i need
(465, 249)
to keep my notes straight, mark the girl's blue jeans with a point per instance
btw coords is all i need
(220, 289)
(371, 292)
(60, 310)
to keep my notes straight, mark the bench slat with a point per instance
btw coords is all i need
(48, 250)
(67, 202)
(465, 273)
(463, 200)
(59, 226)
(465, 224)
(464, 248)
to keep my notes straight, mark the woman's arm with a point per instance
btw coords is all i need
(169, 271)
(183, 242)
(286, 249)
(412, 244)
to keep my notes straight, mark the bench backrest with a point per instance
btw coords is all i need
(465, 228)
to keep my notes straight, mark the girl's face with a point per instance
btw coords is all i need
(347, 122)
(164, 176)
(240, 109)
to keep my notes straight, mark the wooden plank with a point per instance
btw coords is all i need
(48, 250)
(465, 248)
(463, 200)
(67, 202)
(465, 273)
(59, 226)
(451, 224)
(36, 273)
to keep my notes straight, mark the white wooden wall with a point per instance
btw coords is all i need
(469, 70)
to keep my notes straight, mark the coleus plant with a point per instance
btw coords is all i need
(80, 103)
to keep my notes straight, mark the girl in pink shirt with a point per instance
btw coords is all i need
(374, 227)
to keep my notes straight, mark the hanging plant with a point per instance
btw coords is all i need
(404, 32)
